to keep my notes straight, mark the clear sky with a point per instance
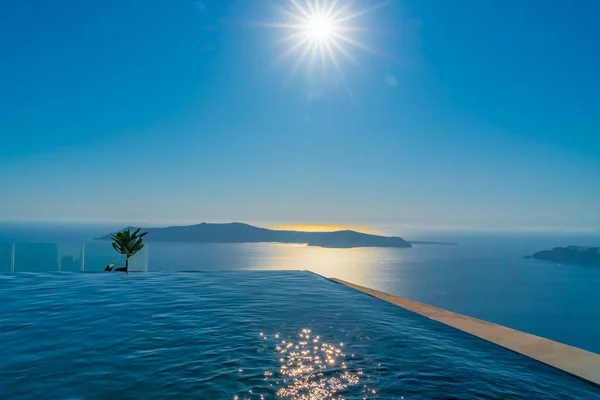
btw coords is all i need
(468, 113)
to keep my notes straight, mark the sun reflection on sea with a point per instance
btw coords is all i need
(367, 266)
(311, 369)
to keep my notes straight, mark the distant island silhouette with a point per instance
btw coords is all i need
(236, 232)
(571, 255)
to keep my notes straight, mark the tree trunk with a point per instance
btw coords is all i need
(127, 265)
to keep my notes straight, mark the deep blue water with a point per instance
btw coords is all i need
(484, 277)
(250, 334)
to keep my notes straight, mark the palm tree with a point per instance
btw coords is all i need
(128, 243)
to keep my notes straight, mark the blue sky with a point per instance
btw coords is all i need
(470, 113)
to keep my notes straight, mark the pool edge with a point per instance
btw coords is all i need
(572, 360)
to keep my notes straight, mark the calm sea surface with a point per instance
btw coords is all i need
(243, 335)
(485, 276)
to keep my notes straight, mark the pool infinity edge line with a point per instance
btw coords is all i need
(572, 360)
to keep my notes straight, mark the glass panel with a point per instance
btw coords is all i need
(69, 257)
(43, 257)
(5, 255)
(36, 257)
(139, 262)
(99, 254)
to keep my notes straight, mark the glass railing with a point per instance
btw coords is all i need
(69, 257)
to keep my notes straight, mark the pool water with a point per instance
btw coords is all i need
(243, 335)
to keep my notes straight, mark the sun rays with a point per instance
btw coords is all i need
(321, 33)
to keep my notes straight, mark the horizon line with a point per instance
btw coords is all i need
(311, 226)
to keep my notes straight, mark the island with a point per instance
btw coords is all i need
(237, 232)
(585, 255)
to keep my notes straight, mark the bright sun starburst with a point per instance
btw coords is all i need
(320, 28)
(321, 32)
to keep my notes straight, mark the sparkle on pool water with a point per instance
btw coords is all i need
(243, 335)
(310, 368)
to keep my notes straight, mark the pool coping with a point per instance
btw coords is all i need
(572, 360)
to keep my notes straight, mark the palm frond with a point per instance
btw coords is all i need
(127, 242)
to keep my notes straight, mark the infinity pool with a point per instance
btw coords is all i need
(243, 335)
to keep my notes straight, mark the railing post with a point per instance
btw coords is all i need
(147, 257)
(58, 257)
(12, 258)
(83, 257)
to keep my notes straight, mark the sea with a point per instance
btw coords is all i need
(484, 276)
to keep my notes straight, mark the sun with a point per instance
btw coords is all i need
(320, 29)
(321, 32)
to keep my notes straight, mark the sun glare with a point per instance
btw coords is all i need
(321, 228)
(320, 29)
(321, 32)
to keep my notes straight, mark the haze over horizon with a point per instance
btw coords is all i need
(430, 115)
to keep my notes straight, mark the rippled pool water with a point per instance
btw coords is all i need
(243, 335)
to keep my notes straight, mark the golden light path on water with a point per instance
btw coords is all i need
(311, 369)
(367, 266)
